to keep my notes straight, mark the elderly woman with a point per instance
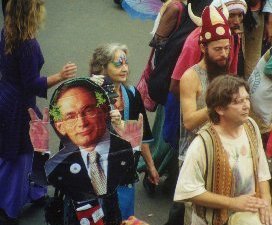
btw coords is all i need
(111, 60)
(20, 63)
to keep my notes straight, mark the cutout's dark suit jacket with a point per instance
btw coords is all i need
(61, 170)
(66, 171)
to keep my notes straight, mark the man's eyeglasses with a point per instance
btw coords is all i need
(71, 118)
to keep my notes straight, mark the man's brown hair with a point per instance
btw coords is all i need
(220, 92)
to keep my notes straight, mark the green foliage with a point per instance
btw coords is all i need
(99, 99)
(55, 113)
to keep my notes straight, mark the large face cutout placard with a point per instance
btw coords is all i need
(97, 156)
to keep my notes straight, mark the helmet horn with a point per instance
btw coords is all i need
(225, 10)
(197, 20)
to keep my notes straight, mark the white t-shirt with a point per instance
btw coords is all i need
(268, 6)
(191, 178)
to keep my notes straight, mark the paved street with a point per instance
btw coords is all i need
(71, 32)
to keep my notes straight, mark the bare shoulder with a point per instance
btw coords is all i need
(174, 6)
(189, 79)
(172, 9)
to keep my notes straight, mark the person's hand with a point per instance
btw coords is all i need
(153, 177)
(116, 118)
(131, 131)
(247, 203)
(68, 71)
(38, 132)
(132, 220)
(266, 214)
(98, 79)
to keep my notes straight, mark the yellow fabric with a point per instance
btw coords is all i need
(132, 220)
(244, 218)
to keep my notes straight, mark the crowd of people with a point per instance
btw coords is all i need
(211, 61)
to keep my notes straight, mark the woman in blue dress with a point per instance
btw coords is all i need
(21, 60)
(111, 60)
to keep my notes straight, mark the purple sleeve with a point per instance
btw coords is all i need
(30, 63)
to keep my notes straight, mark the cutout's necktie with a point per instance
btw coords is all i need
(98, 178)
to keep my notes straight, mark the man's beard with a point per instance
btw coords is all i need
(213, 68)
(236, 29)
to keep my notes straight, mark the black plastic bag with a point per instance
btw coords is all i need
(54, 209)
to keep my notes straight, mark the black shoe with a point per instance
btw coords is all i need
(40, 201)
(168, 190)
(6, 220)
(168, 187)
(148, 186)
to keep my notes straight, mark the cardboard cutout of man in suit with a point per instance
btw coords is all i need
(79, 111)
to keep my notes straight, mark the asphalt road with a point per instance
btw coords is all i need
(71, 32)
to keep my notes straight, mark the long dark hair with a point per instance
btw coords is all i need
(4, 3)
(23, 19)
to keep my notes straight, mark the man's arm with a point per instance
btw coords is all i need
(243, 203)
(168, 21)
(192, 118)
(265, 191)
(265, 213)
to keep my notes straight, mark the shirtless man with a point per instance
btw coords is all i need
(215, 49)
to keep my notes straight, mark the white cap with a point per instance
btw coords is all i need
(231, 4)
